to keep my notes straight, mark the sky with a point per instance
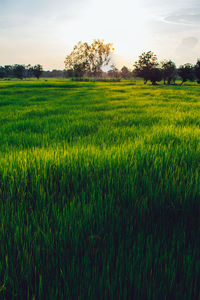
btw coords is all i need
(45, 31)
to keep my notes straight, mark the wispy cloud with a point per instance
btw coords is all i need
(46, 30)
(183, 19)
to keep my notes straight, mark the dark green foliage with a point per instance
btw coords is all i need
(169, 71)
(186, 72)
(147, 68)
(197, 71)
(99, 199)
(2, 72)
(8, 70)
(125, 73)
(85, 79)
(155, 75)
(19, 71)
(37, 71)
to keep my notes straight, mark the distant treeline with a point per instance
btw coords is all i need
(147, 67)
(28, 71)
(87, 60)
(23, 71)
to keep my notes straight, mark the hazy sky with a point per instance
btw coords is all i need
(45, 31)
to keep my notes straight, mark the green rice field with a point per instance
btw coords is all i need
(99, 190)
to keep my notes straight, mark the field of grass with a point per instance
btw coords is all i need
(99, 190)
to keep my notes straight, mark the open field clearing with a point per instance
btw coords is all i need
(99, 190)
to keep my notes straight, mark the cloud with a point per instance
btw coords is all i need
(50, 28)
(188, 48)
(183, 19)
(187, 45)
(189, 42)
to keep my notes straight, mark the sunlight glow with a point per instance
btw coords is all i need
(46, 31)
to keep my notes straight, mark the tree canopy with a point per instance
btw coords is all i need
(19, 71)
(145, 67)
(89, 59)
(37, 71)
(186, 72)
(125, 73)
(169, 71)
(197, 71)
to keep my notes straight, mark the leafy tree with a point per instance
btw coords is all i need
(69, 73)
(89, 59)
(197, 71)
(29, 71)
(155, 75)
(37, 71)
(8, 70)
(144, 66)
(125, 73)
(54, 74)
(19, 71)
(2, 72)
(169, 71)
(77, 60)
(113, 72)
(99, 56)
(186, 72)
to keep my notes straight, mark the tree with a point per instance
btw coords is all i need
(99, 56)
(2, 72)
(28, 71)
(37, 71)
(186, 72)
(68, 73)
(125, 73)
(89, 59)
(8, 70)
(144, 66)
(197, 71)
(169, 71)
(19, 71)
(77, 60)
(113, 72)
(156, 75)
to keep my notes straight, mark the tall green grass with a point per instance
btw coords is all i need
(99, 189)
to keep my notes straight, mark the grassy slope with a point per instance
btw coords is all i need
(99, 189)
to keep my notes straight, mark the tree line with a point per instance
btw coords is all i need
(148, 68)
(90, 60)
(21, 71)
